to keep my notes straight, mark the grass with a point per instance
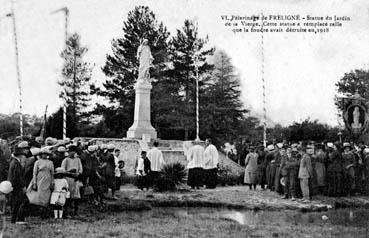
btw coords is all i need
(176, 223)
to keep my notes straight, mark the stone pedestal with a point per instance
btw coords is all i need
(142, 118)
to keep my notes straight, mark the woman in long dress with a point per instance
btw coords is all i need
(72, 164)
(251, 170)
(39, 189)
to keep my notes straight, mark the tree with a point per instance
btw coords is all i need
(121, 67)
(356, 80)
(310, 130)
(183, 48)
(222, 109)
(9, 125)
(76, 82)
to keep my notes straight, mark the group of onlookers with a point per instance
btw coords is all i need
(306, 169)
(58, 173)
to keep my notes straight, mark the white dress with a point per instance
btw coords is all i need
(59, 194)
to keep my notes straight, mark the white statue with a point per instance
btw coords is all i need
(145, 59)
(356, 117)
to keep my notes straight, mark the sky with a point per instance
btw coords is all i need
(300, 69)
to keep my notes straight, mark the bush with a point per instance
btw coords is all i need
(171, 176)
(226, 177)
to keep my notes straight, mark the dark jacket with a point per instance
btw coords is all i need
(16, 175)
(147, 165)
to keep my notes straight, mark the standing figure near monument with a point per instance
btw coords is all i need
(195, 166)
(157, 161)
(211, 157)
(251, 163)
(145, 59)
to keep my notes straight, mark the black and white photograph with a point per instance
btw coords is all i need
(184, 118)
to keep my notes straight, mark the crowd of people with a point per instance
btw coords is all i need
(57, 174)
(301, 170)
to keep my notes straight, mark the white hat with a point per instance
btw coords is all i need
(6, 187)
(330, 145)
(103, 146)
(270, 147)
(23, 144)
(50, 141)
(45, 150)
(366, 150)
(59, 170)
(111, 147)
(35, 151)
(91, 148)
(61, 149)
(280, 145)
(346, 144)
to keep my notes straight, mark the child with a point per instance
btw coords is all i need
(59, 195)
(143, 171)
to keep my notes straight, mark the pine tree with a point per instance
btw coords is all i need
(76, 74)
(222, 107)
(121, 67)
(183, 47)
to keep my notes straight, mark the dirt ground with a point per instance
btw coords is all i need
(237, 197)
(200, 213)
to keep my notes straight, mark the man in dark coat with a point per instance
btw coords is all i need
(334, 171)
(16, 178)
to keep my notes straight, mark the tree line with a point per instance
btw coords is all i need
(223, 117)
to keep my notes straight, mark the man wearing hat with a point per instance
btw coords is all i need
(334, 170)
(306, 172)
(269, 161)
(16, 177)
(110, 169)
(24, 146)
(59, 156)
(89, 164)
(290, 167)
(262, 164)
(348, 160)
(30, 162)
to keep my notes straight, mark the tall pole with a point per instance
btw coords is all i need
(66, 14)
(197, 93)
(18, 70)
(197, 103)
(263, 80)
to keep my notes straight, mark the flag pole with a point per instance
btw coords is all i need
(263, 80)
(66, 15)
(17, 69)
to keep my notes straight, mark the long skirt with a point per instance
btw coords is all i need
(41, 196)
(211, 177)
(195, 177)
(73, 188)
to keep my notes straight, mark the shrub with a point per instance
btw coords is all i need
(227, 177)
(171, 176)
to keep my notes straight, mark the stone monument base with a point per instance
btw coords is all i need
(173, 151)
(139, 132)
(142, 119)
